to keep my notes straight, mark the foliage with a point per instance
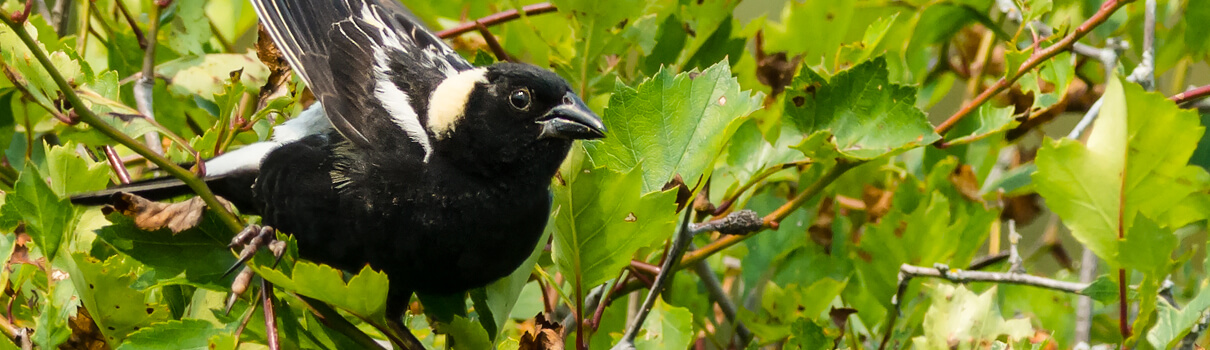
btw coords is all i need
(827, 118)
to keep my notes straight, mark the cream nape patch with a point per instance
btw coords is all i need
(448, 103)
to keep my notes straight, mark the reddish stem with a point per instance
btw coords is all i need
(119, 168)
(1191, 95)
(1107, 9)
(1124, 308)
(498, 18)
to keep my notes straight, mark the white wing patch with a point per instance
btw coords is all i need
(396, 103)
(310, 122)
(448, 104)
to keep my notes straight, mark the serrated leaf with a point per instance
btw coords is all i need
(47, 217)
(959, 316)
(1173, 323)
(666, 327)
(806, 335)
(198, 256)
(1137, 151)
(188, 29)
(70, 173)
(1147, 247)
(1059, 71)
(186, 334)
(364, 295)
(869, 116)
(987, 120)
(467, 334)
(1103, 290)
(105, 288)
(672, 124)
(603, 219)
(206, 76)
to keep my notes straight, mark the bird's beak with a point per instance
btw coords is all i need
(571, 120)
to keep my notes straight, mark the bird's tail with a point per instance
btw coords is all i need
(235, 187)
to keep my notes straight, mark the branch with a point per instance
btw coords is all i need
(724, 302)
(680, 241)
(146, 83)
(1034, 60)
(89, 117)
(1191, 95)
(907, 272)
(494, 19)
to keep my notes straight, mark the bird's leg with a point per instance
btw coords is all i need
(252, 238)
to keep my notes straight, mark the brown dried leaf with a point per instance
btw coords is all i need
(821, 229)
(151, 215)
(965, 182)
(84, 333)
(877, 201)
(546, 335)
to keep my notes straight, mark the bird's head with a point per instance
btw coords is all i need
(510, 113)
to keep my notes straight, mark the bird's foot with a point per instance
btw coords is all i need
(252, 238)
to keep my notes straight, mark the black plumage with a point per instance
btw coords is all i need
(432, 170)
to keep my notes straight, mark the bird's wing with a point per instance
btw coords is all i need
(371, 63)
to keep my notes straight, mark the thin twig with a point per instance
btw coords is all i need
(1107, 9)
(495, 19)
(89, 117)
(907, 272)
(143, 88)
(138, 33)
(1191, 95)
(270, 314)
(116, 164)
(494, 44)
(680, 241)
(710, 281)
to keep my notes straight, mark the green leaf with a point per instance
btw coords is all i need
(1137, 151)
(672, 125)
(869, 116)
(501, 295)
(1103, 290)
(805, 335)
(467, 334)
(105, 289)
(1173, 323)
(61, 303)
(959, 315)
(71, 174)
(47, 217)
(198, 256)
(1058, 71)
(1197, 28)
(666, 327)
(1147, 247)
(825, 22)
(186, 334)
(988, 120)
(188, 29)
(207, 76)
(603, 219)
(364, 295)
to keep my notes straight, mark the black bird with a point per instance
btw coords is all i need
(413, 161)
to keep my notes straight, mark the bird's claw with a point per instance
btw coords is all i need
(251, 239)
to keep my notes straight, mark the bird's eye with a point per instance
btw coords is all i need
(519, 99)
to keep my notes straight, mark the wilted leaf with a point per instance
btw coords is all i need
(546, 335)
(150, 215)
